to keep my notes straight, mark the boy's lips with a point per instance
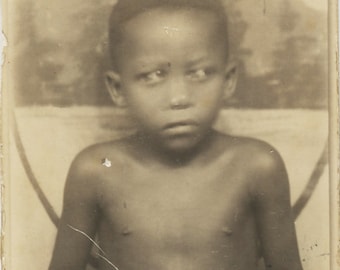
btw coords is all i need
(180, 127)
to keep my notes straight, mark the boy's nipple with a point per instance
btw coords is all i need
(126, 231)
(227, 231)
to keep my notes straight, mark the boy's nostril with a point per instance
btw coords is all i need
(180, 103)
(179, 106)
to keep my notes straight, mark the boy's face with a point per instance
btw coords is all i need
(173, 75)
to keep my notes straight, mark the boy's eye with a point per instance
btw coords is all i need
(152, 77)
(200, 74)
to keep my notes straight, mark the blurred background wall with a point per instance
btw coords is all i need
(60, 52)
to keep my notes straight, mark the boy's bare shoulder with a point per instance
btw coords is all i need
(262, 165)
(257, 156)
(91, 160)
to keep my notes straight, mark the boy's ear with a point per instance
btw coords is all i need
(113, 85)
(231, 76)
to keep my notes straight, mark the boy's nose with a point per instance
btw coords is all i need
(179, 95)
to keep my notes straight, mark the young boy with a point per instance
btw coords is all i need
(176, 195)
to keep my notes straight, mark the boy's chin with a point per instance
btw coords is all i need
(183, 144)
(179, 145)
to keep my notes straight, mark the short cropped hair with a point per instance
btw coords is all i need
(125, 10)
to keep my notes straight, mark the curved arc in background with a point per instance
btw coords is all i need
(29, 172)
(314, 179)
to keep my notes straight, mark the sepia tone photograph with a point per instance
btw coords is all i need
(169, 134)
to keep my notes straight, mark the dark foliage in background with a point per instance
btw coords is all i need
(63, 72)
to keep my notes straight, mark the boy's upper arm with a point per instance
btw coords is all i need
(80, 193)
(79, 216)
(273, 212)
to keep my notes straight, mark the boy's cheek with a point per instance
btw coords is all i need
(211, 99)
(210, 102)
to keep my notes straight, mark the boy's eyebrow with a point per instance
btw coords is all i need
(197, 60)
(146, 63)
(151, 62)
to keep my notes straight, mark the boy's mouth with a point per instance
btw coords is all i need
(180, 127)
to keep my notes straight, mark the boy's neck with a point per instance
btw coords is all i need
(147, 150)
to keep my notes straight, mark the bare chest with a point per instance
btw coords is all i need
(176, 205)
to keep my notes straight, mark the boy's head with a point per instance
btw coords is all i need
(170, 67)
(126, 10)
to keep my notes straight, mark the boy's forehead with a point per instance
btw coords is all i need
(179, 27)
(160, 22)
(180, 38)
